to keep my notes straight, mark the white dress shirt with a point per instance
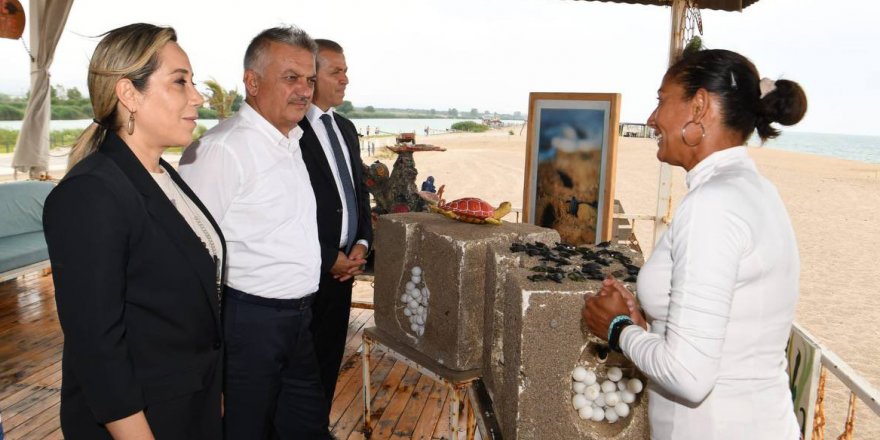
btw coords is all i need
(314, 116)
(254, 182)
(720, 291)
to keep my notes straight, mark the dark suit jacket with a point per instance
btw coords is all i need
(329, 202)
(137, 301)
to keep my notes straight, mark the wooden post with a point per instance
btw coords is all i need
(664, 181)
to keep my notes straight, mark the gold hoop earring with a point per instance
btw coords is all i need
(684, 138)
(130, 126)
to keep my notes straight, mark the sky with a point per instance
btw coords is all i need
(490, 54)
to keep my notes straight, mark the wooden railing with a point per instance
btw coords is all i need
(809, 364)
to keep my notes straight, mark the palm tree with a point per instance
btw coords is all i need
(220, 100)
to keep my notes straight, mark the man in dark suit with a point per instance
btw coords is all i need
(332, 156)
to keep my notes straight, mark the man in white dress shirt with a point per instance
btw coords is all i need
(249, 172)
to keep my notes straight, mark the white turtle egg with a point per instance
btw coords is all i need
(608, 386)
(622, 384)
(407, 312)
(420, 331)
(420, 319)
(621, 409)
(579, 401)
(416, 294)
(612, 398)
(634, 386)
(585, 412)
(599, 400)
(592, 391)
(410, 285)
(426, 292)
(626, 396)
(416, 279)
(416, 271)
(404, 298)
(614, 374)
(579, 374)
(611, 415)
(598, 414)
(578, 387)
(414, 327)
(590, 378)
(413, 304)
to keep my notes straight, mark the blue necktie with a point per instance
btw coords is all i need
(345, 177)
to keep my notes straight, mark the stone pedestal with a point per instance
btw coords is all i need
(543, 339)
(454, 259)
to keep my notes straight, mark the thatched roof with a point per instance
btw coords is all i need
(723, 5)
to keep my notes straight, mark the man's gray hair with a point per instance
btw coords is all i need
(290, 35)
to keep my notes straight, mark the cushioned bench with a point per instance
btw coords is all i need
(22, 245)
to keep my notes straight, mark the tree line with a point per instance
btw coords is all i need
(70, 103)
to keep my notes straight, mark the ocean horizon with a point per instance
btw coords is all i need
(861, 148)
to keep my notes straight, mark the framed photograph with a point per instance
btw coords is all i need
(571, 155)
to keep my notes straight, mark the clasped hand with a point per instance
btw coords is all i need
(347, 266)
(612, 300)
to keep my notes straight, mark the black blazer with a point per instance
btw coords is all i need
(137, 300)
(329, 203)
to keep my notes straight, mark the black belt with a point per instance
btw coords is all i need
(295, 303)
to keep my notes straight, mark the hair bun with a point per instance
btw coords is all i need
(785, 104)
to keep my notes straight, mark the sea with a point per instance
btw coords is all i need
(843, 146)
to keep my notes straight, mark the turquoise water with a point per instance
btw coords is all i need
(843, 146)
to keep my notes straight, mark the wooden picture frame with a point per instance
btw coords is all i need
(571, 157)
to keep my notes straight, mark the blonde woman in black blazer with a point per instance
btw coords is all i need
(135, 264)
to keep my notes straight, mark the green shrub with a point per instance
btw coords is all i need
(199, 131)
(470, 126)
(11, 112)
(206, 113)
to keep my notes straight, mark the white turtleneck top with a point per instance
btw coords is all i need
(720, 292)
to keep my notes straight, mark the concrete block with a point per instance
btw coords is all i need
(544, 339)
(538, 339)
(453, 258)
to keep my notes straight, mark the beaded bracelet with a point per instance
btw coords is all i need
(615, 329)
(616, 320)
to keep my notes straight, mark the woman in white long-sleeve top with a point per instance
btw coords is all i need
(720, 288)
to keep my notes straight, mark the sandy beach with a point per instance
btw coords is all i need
(834, 205)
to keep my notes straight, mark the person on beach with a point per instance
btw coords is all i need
(720, 288)
(332, 157)
(249, 170)
(136, 258)
(428, 185)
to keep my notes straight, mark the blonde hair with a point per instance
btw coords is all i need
(129, 52)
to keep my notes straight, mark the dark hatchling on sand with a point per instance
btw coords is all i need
(577, 263)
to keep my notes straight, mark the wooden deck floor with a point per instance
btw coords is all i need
(405, 405)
